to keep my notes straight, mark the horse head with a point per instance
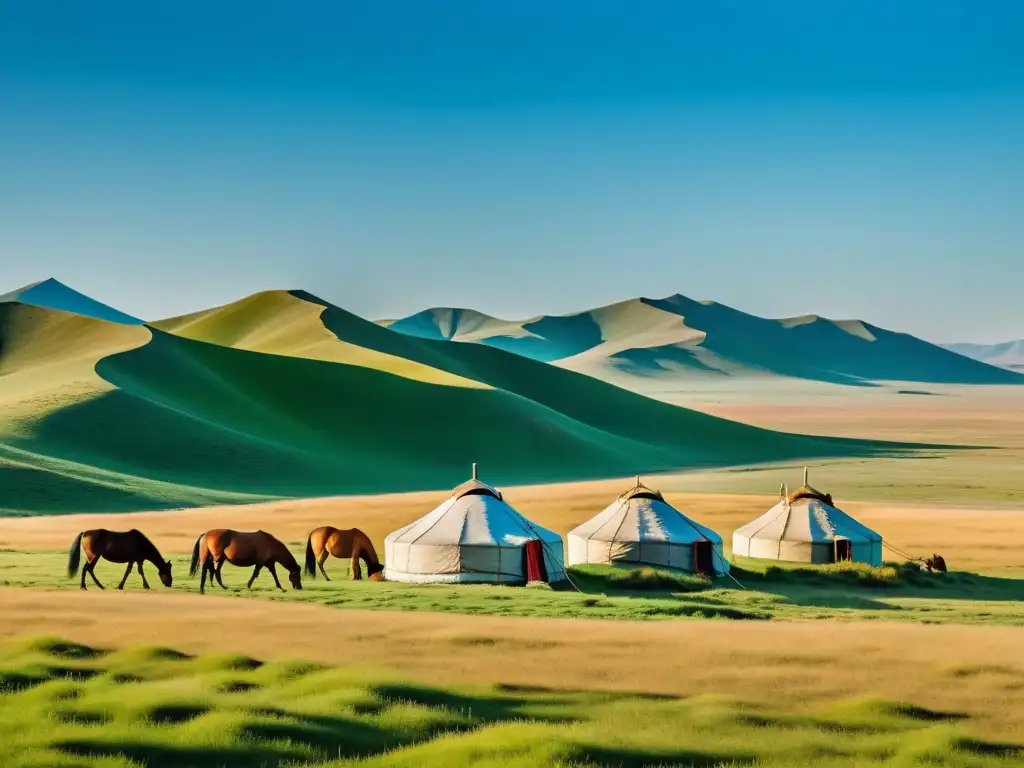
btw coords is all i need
(375, 572)
(165, 573)
(295, 577)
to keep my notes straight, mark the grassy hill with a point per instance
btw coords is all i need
(285, 395)
(686, 339)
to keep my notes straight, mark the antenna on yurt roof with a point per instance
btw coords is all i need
(805, 475)
(475, 475)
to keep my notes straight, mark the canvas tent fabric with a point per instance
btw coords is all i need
(641, 527)
(473, 536)
(807, 527)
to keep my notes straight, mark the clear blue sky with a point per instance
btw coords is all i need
(856, 158)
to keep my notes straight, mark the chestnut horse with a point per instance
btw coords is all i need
(130, 547)
(260, 549)
(350, 542)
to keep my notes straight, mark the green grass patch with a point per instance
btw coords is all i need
(760, 590)
(177, 711)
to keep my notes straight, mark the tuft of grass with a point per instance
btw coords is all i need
(612, 578)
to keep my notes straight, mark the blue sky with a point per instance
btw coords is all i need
(852, 159)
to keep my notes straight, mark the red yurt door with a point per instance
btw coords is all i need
(533, 565)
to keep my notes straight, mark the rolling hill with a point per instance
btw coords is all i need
(686, 339)
(1008, 354)
(285, 395)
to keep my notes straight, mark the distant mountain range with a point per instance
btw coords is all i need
(1009, 354)
(681, 338)
(282, 394)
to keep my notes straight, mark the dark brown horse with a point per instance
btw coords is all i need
(935, 563)
(350, 542)
(260, 549)
(130, 547)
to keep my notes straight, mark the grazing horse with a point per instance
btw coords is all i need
(130, 547)
(935, 563)
(349, 542)
(260, 549)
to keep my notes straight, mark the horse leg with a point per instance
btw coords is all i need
(92, 572)
(220, 567)
(320, 562)
(255, 573)
(202, 579)
(127, 571)
(273, 572)
(357, 571)
(145, 584)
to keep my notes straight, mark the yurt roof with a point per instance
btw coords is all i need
(819, 519)
(656, 519)
(474, 513)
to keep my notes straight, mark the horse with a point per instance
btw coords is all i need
(935, 563)
(350, 542)
(260, 549)
(130, 547)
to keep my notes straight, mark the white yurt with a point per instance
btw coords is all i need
(641, 527)
(473, 536)
(807, 527)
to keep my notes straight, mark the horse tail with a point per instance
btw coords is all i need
(75, 555)
(195, 556)
(310, 558)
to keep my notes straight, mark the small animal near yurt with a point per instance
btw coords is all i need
(474, 536)
(641, 527)
(807, 527)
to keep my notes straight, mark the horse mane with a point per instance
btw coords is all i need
(284, 555)
(368, 551)
(150, 548)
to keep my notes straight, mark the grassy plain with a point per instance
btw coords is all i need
(64, 703)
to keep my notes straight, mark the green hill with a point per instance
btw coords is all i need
(283, 395)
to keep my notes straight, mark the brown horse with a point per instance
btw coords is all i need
(260, 549)
(349, 542)
(130, 547)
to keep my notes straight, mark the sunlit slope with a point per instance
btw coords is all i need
(686, 340)
(279, 323)
(47, 358)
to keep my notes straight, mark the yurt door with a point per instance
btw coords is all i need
(533, 561)
(844, 550)
(702, 557)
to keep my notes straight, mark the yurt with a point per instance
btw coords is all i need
(473, 536)
(807, 527)
(641, 527)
